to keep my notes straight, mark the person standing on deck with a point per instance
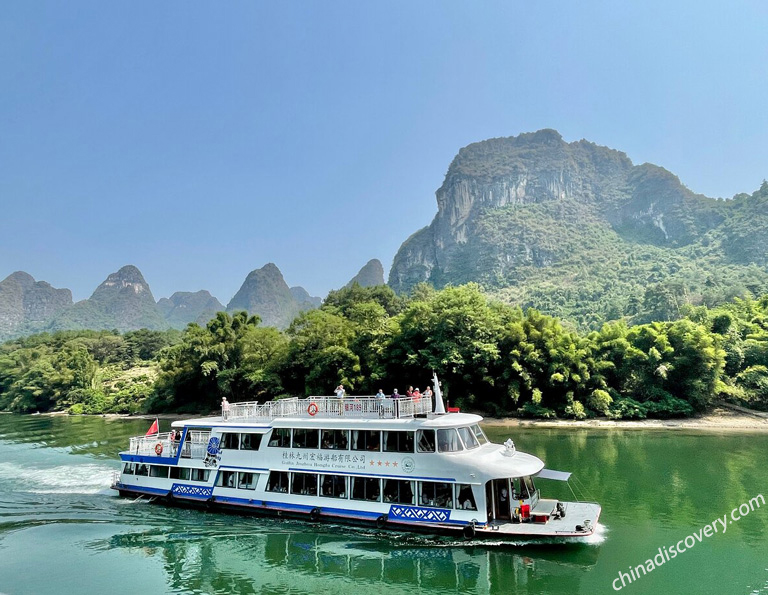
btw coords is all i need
(380, 396)
(224, 408)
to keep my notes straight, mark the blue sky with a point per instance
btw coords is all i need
(200, 141)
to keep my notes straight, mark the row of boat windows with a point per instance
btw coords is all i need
(185, 473)
(374, 489)
(423, 441)
(369, 489)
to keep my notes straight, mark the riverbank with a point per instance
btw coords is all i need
(720, 419)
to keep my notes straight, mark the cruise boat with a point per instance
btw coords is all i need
(398, 464)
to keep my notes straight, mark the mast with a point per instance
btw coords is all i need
(439, 405)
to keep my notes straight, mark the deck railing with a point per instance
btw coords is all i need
(161, 445)
(329, 407)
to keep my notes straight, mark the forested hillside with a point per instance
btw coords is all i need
(577, 231)
(490, 357)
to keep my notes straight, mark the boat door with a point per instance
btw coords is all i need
(501, 497)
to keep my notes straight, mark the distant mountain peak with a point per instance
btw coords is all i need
(265, 292)
(370, 275)
(26, 304)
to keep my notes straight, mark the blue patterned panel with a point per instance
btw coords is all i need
(180, 489)
(415, 513)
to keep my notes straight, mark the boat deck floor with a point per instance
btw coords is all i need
(576, 513)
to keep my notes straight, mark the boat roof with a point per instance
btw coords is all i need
(447, 420)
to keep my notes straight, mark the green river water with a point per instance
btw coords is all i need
(62, 530)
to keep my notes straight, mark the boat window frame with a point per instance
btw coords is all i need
(335, 493)
(404, 438)
(479, 434)
(470, 434)
(249, 485)
(457, 442)
(153, 467)
(428, 490)
(343, 441)
(304, 480)
(196, 472)
(420, 434)
(226, 441)
(226, 479)
(367, 433)
(281, 436)
(283, 478)
(461, 488)
(399, 485)
(368, 484)
(305, 443)
(182, 473)
(251, 437)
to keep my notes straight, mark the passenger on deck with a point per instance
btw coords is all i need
(224, 408)
(340, 391)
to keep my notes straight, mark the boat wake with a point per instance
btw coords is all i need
(62, 479)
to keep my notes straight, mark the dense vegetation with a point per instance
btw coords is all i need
(490, 356)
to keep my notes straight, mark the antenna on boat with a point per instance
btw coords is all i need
(439, 405)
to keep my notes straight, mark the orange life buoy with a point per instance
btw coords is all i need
(159, 448)
(312, 409)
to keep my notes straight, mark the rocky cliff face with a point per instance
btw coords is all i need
(370, 275)
(184, 307)
(123, 301)
(578, 231)
(645, 203)
(26, 304)
(306, 301)
(265, 292)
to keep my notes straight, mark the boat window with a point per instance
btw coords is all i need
(365, 488)
(464, 497)
(226, 479)
(230, 441)
(425, 440)
(527, 488)
(366, 440)
(250, 441)
(398, 441)
(335, 439)
(281, 437)
(278, 481)
(246, 481)
(128, 469)
(448, 441)
(304, 484)
(399, 491)
(437, 494)
(200, 474)
(333, 486)
(180, 473)
(142, 469)
(468, 438)
(158, 471)
(304, 438)
(479, 434)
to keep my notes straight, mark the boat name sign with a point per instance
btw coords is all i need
(346, 462)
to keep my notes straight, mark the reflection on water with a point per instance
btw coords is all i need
(249, 555)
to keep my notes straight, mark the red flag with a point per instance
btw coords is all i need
(153, 429)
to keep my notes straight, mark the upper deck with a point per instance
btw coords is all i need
(328, 409)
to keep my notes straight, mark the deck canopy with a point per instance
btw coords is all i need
(552, 474)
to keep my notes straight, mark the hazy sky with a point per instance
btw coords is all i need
(201, 140)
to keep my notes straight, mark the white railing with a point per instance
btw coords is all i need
(161, 445)
(156, 445)
(329, 407)
(195, 445)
